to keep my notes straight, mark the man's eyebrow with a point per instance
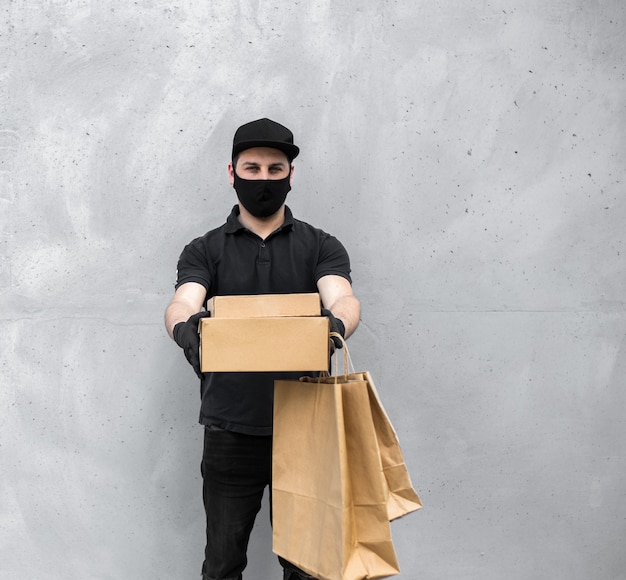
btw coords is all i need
(274, 165)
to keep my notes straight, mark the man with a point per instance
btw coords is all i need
(261, 249)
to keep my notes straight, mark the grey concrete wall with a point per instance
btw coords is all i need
(470, 155)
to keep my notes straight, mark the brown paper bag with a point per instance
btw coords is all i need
(338, 478)
(401, 497)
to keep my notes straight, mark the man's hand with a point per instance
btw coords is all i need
(336, 325)
(187, 337)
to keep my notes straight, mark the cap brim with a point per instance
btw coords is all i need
(288, 149)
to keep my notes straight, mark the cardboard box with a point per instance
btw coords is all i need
(254, 306)
(264, 333)
(276, 343)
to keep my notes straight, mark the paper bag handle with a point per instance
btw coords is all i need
(348, 367)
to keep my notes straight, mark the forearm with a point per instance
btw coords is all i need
(187, 301)
(337, 296)
(176, 312)
(348, 310)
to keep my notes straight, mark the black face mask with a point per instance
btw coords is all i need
(262, 197)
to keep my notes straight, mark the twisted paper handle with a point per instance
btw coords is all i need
(348, 367)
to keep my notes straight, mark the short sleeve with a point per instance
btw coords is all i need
(333, 259)
(194, 266)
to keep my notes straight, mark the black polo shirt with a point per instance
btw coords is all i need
(231, 260)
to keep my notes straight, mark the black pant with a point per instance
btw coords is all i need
(236, 468)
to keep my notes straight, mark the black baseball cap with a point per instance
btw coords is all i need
(265, 133)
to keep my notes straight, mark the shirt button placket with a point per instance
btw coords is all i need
(264, 256)
(263, 269)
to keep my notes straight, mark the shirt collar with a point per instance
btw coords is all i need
(233, 225)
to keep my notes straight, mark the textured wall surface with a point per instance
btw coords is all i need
(470, 155)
